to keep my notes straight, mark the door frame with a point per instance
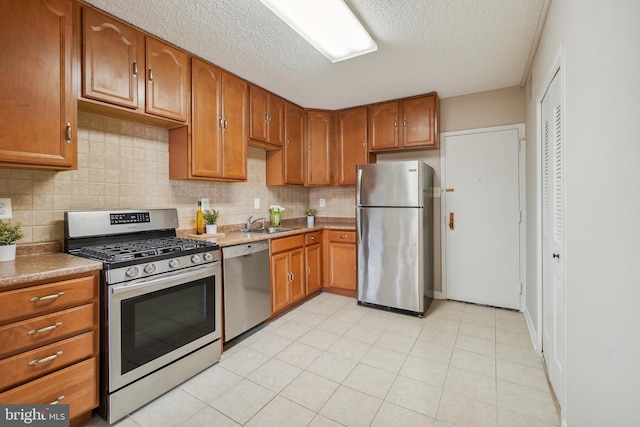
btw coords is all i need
(521, 200)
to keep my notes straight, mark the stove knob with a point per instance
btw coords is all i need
(196, 259)
(149, 268)
(174, 263)
(132, 272)
(208, 256)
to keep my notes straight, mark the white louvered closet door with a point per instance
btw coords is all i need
(553, 337)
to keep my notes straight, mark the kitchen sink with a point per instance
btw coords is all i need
(267, 230)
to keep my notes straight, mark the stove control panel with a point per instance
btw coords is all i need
(129, 218)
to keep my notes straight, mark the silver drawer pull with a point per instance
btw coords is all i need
(58, 400)
(45, 359)
(47, 329)
(54, 296)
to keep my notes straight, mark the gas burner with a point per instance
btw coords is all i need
(126, 251)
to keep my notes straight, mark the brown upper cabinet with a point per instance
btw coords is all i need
(266, 117)
(410, 123)
(318, 149)
(38, 118)
(216, 146)
(285, 166)
(350, 144)
(123, 67)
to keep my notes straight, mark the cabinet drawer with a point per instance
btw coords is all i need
(34, 300)
(342, 236)
(45, 329)
(287, 243)
(311, 238)
(23, 366)
(75, 386)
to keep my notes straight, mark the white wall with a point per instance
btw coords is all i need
(601, 44)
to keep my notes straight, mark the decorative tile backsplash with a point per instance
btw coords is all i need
(124, 165)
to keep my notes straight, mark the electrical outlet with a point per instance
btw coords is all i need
(205, 204)
(256, 203)
(5, 209)
(322, 203)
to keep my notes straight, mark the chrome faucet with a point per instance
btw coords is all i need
(250, 222)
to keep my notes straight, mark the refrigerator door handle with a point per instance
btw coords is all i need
(358, 186)
(358, 227)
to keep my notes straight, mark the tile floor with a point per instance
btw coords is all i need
(331, 362)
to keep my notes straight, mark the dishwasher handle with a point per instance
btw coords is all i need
(236, 251)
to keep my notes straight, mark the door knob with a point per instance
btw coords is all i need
(556, 256)
(451, 220)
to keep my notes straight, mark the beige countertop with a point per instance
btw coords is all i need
(31, 268)
(231, 238)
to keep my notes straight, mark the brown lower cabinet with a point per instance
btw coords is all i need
(287, 272)
(50, 352)
(313, 258)
(340, 262)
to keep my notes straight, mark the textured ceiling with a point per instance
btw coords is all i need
(454, 47)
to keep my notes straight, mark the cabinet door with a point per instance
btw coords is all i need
(280, 278)
(342, 265)
(36, 92)
(298, 289)
(235, 110)
(206, 155)
(383, 126)
(351, 144)
(418, 127)
(313, 256)
(112, 56)
(167, 80)
(318, 162)
(276, 121)
(294, 141)
(258, 114)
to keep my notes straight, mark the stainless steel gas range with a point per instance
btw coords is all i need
(161, 306)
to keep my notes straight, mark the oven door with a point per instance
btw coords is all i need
(157, 320)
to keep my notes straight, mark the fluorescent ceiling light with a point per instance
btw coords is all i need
(329, 25)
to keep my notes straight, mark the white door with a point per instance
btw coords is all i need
(552, 236)
(482, 216)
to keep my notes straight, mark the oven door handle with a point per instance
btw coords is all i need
(166, 280)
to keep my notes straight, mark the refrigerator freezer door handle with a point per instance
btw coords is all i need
(359, 186)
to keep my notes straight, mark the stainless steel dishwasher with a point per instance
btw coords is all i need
(247, 296)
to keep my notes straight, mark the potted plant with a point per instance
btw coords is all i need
(9, 234)
(311, 215)
(211, 218)
(276, 214)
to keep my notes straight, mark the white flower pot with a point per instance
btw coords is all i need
(311, 221)
(212, 228)
(7, 252)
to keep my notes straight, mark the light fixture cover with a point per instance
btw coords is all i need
(328, 25)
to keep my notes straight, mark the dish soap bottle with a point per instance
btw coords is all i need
(199, 219)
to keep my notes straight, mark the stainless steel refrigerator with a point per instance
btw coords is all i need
(394, 223)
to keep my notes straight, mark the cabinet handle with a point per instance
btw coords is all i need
(395, 123)
(58, 400)
(220, 123)
(135, 68)
(286, 142)
(45, 359)
(313, 238)
(293, 277)
(68, 133)
(343, 236)
(266, 117)
(364, 144)
(47, 329)
(48, 297)
(225, 124)
(150, 75)
(308, 271)
(309, 147)
(405, 122)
